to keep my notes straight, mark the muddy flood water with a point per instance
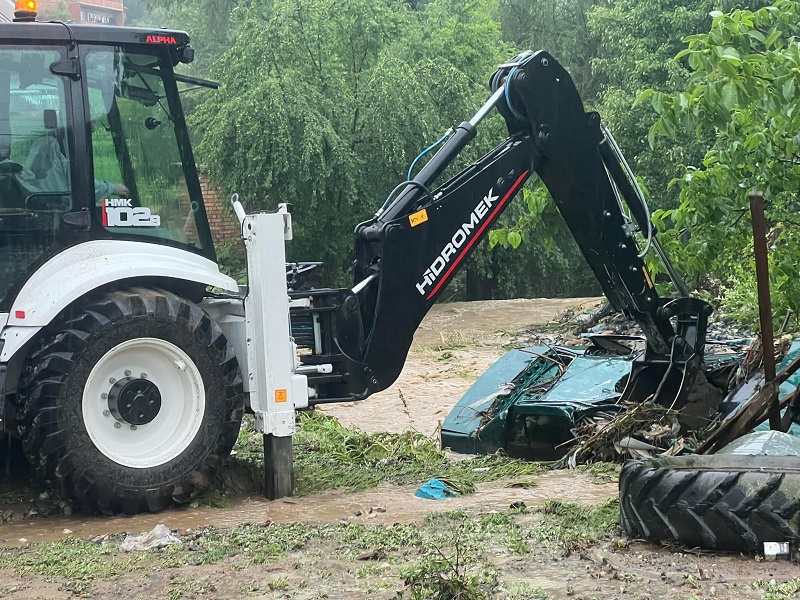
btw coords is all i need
(386, 505)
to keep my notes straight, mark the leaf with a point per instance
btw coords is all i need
(651, 134)
(773, 37)
(643, 97)
(730, 95)
(788, 90)
(514, 239)
(731, 54)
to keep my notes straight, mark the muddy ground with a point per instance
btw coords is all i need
(559, 541)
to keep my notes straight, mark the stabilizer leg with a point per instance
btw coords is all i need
(278, 466)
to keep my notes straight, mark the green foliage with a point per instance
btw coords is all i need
(639, 39)
(551, 262)
(778, 591)
(327, 103)
(209, 23)
(742, 93)
(55, 11)
(629, 45)
(232, 259)
(448, 576)
(330, 456)
(563, 29)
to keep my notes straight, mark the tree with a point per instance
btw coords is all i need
(637, 42)
(55, 11)
(640, 39)
(743, 92)
(326, 103)
(562, 28)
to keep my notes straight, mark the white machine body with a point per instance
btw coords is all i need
(257, 325)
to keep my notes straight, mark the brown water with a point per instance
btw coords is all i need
(385, 505)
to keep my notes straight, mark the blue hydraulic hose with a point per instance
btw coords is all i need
(513, 110)
(424, 152)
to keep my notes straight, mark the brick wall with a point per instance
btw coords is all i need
(220, 215)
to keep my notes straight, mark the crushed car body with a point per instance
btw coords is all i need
(534, 402)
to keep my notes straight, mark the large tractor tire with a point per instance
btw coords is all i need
(131, 402)
(718, 502)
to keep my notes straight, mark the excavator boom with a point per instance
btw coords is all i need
(415, 244)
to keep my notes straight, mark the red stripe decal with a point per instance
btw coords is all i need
(477, 236)
(105, 215)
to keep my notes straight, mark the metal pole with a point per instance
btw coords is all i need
(676, 279)
(764, 300)
(487, 108)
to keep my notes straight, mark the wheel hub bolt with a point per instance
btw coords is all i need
(127, 373)
(104, 396)
(106, 413)
(143, 376)
(117, 425)
(112, 381)
(133, 427)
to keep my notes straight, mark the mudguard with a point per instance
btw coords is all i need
(86, 267)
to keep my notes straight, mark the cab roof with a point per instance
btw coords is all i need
(55, 32)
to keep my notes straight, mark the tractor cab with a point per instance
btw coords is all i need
(93, 143)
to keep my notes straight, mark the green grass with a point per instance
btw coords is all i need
(601, 472)
(570, 526)
(77, 562)
(778, 591)
(329, 456)
(524, 591)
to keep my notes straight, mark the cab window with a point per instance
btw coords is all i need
(140, 187)
(35, 163)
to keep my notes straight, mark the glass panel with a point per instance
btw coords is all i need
(35, 183)
(139, 178)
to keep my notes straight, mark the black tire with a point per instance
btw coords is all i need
(717, 502)
(51, 422)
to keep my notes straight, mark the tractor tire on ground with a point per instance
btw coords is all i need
(131, 402)
(718, 502)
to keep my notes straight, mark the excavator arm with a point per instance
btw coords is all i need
(411, 249)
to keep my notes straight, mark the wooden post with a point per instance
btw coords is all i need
(764, 300)
(278, 466)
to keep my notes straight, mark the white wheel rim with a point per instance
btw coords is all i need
(183, 403)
